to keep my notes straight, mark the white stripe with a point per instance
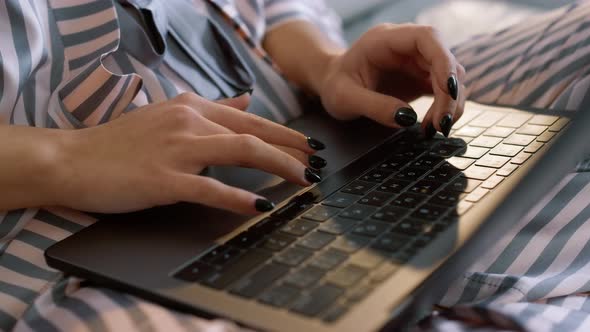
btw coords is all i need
(21, 280)
(86, 88)
(74, 216)
(28, 253)
(97, 114)
(150, 81)
(20, 224)
(111, 313)
(9, 56)
(47, 230)
(68, 3)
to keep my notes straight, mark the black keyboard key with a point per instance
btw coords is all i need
(267, 226)
(329, 259)
(347, 275)
(277, 242)
(408, 200)
(463, 185)
(194, 272)
(445, 198)
(391, 242)
(316, 240)
(358, 292)
(246, 239)
(394, 186)
(292, 209)
(375, 198)
(337, 225)
(393, 164)
(351, 243)
(411, 173)
(412, 227)
(335, 312)
(358, 187)
(492, 161)
(227, 256)
(442, 174)
(478, 173)
(305, 277)
(318, 300)
(429, 212)
(214, 253)
(370, 228)
(458, 141)
(391, 214)
(506, 150)
(320, 213)
(444, 150)
(299, 227)
(424, 187)
(358, 212)
(427, 161)
(239, 267)
(340, 200)
(377, 176)
(252, 285)
(293, 256)
(279, 296)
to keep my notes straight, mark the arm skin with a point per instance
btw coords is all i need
(29, 163)
(312, 49)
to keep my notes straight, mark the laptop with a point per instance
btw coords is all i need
(396, 219)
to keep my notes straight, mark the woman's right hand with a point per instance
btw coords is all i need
(153, 156)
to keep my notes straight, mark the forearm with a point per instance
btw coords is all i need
(29, 165)
(303, 52)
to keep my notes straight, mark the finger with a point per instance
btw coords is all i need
(248, 123)
(240, 102)
(387, 110)
(250, 151)
(416, 40)
(213, 193)
(313, 161)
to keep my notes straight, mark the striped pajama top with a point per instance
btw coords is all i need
(73, 64)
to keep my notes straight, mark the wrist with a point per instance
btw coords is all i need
(315, 76)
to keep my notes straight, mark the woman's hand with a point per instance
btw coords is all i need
(152, 156)
(389, 66)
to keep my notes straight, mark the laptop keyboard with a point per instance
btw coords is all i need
(330, 247)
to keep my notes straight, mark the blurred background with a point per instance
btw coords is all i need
(457, 20)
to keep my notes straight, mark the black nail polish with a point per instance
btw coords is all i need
(315, 144)
(263, 205)
(405, 117)
(430, 131)
(445, 124)
(317, 162)
(239, 94)
(453, 87)
(312, 176)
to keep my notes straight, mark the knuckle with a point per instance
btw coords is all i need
(186, 97)
(181, 115)
(248, 142)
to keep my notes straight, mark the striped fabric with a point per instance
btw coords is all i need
(63, 64)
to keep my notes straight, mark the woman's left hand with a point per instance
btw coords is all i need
(389, 66)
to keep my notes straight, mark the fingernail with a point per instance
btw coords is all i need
(430, 131)
(445, 124)
(453, 87)
(315, 144)
(405, 117)
(317, 162)
(239, 94)
(263, 205)
(312, 176)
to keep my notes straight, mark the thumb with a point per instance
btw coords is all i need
(387, 110)
(240, 101)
